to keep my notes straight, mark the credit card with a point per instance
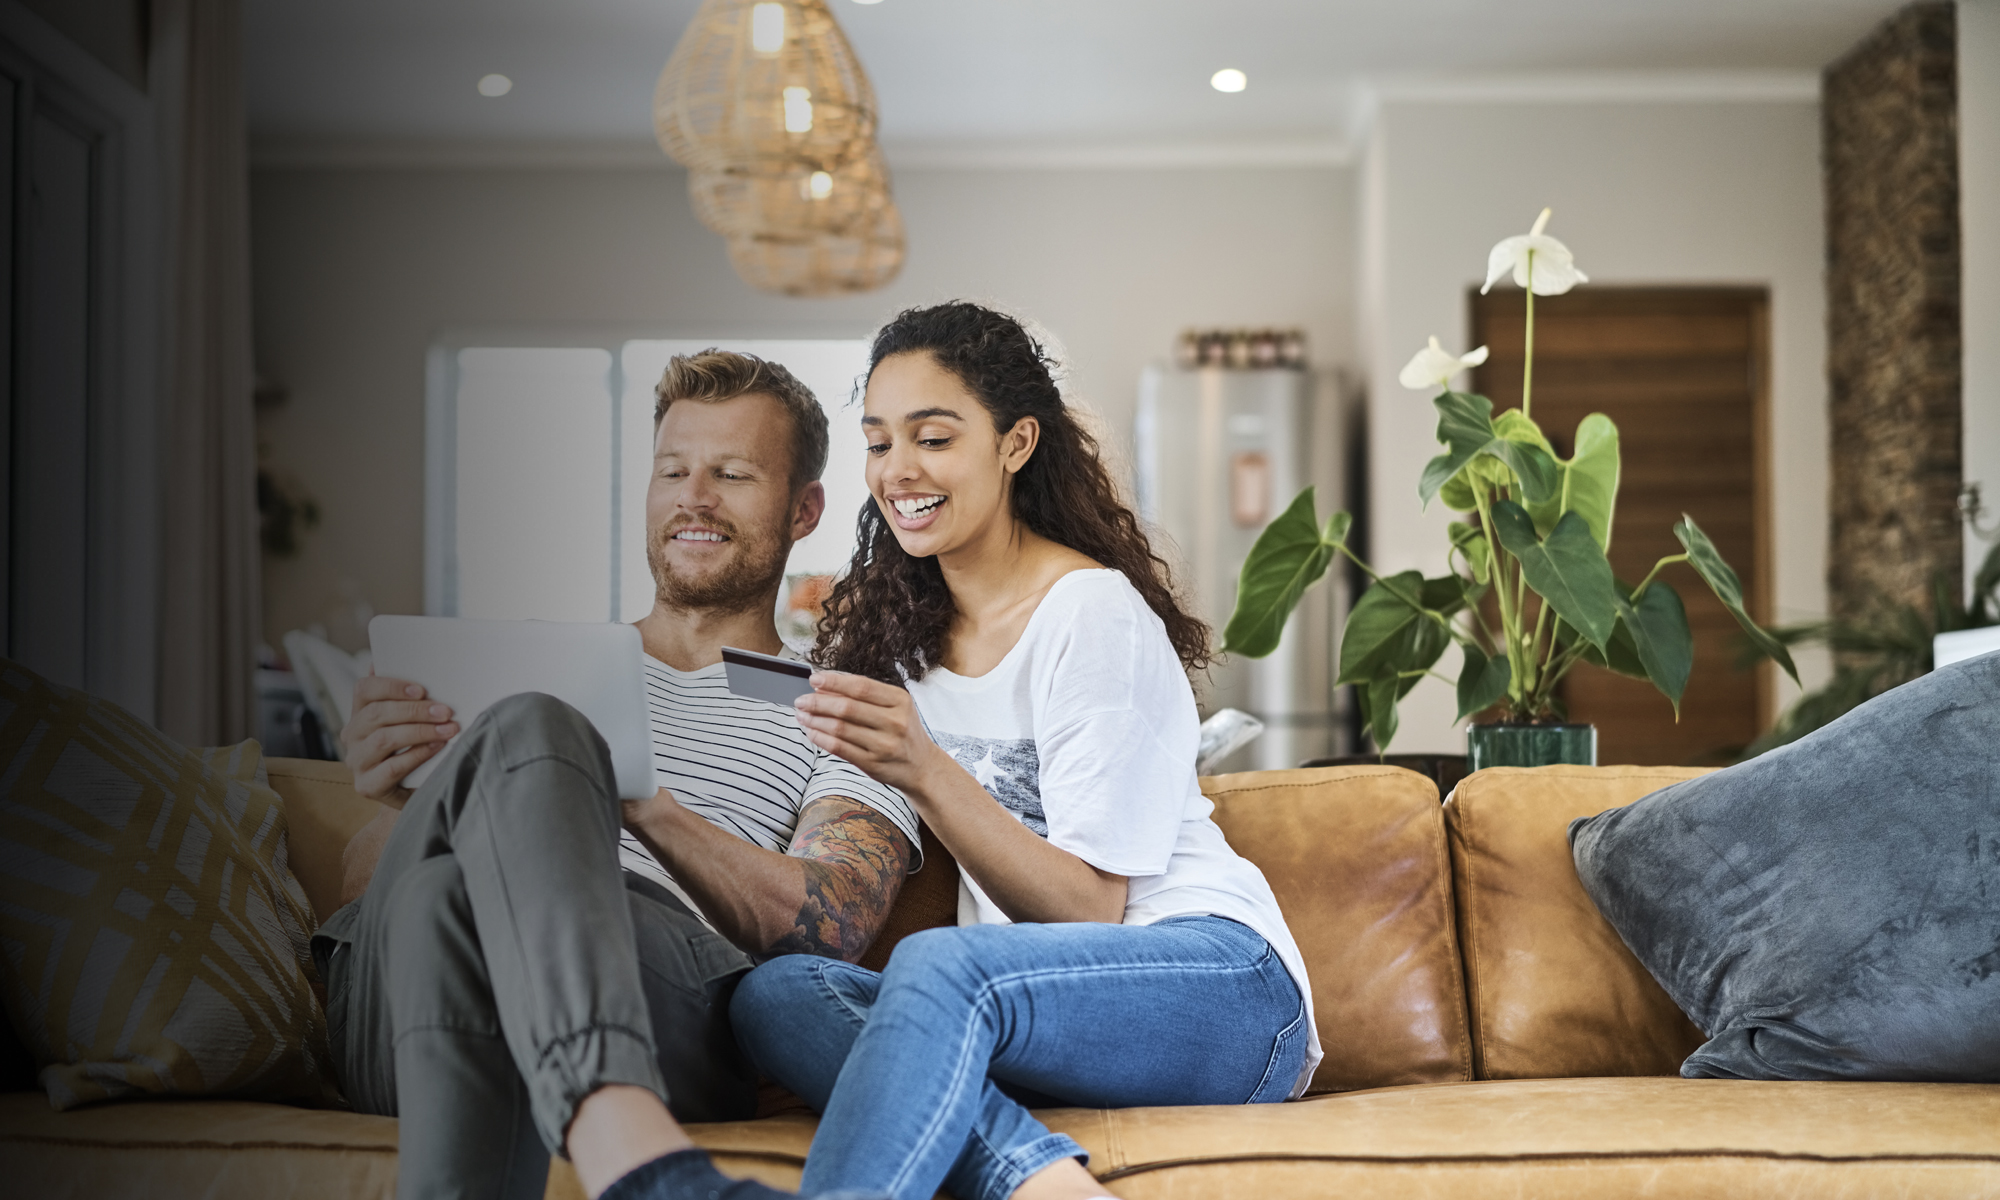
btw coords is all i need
(765, 676)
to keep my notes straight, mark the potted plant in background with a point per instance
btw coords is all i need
(1885, 648)
(1535, 534)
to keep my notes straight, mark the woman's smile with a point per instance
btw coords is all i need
(914, 512)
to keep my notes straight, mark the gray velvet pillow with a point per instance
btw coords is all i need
(1831, 909)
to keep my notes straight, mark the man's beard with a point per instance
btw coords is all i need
(744, 582)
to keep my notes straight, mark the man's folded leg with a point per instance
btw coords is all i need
(489, 980)
(525, 813)
(466, 1129)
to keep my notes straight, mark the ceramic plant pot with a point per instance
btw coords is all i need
(1526, 744)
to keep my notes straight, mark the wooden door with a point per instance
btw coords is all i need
(1682, 373)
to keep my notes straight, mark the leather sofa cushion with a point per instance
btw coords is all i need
(1552, 1139)
(205, 1148)
(1554, 992)
(1357, 859)
(1555, 1139)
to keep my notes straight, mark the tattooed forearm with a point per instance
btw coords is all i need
(855, 859)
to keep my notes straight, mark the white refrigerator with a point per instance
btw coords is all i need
(1218, 452)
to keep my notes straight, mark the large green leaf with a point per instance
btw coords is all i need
(1593, 475)
(1532, 465)
(1466, 428)
(1481, 681)
(1389, 630)
(1567, 569)
(1620, 654)
(1722, 580)
(1517, 426)
(1470, 542)
(1379, 708)
(1448, 594)
(1658, 628)
(1457, 495)
(1378, 698)
(1381, 617)
(1588, 481)
(1290, 555)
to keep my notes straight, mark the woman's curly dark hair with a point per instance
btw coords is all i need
(888, 615)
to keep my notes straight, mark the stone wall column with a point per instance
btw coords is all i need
(1890, 121)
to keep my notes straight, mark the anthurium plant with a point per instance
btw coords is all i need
(1536, 530)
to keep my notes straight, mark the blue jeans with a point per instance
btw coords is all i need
(924, 1072)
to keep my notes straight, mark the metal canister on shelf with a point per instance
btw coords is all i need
(1241, 349)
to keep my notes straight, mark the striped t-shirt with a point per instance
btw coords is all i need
(743, 764)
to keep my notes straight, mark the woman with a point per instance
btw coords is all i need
(1006, 650)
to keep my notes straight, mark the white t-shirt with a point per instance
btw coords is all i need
(743, 764)
(1086, 731)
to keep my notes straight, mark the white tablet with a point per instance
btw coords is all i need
(473, 665)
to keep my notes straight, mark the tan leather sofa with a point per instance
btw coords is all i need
(1487, 1034)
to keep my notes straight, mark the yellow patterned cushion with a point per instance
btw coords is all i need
(151, 938)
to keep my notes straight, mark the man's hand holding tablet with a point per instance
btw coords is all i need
(394, 729)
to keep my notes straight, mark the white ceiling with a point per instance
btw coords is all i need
(991, 71)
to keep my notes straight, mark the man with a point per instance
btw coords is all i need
(496, 980)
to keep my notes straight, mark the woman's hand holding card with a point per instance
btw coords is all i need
(873, 725)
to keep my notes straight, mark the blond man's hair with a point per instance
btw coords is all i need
(713, 376)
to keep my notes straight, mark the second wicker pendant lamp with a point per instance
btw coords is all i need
(765, 104)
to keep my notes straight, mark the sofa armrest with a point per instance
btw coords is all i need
(323, 812)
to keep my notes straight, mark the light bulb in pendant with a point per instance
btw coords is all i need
(798, 110)
(767, 28)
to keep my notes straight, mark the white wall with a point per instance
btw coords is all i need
(1979, 245)
(358, 271)
(1645, 191)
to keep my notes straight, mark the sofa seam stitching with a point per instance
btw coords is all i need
(1578, 1157)
(1448, 903)
(1475, 1011)
(1372, 773)
(36, 1139)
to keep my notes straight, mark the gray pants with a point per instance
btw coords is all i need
(501, 967)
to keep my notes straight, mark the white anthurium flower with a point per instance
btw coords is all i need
(1555, 268)
(1433, 366)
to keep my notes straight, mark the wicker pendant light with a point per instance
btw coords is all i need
(736, 204)
(825, 264)
(766, 89)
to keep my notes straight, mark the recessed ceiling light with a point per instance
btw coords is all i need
(868, 1)
(495, 85)
(1229, 79)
